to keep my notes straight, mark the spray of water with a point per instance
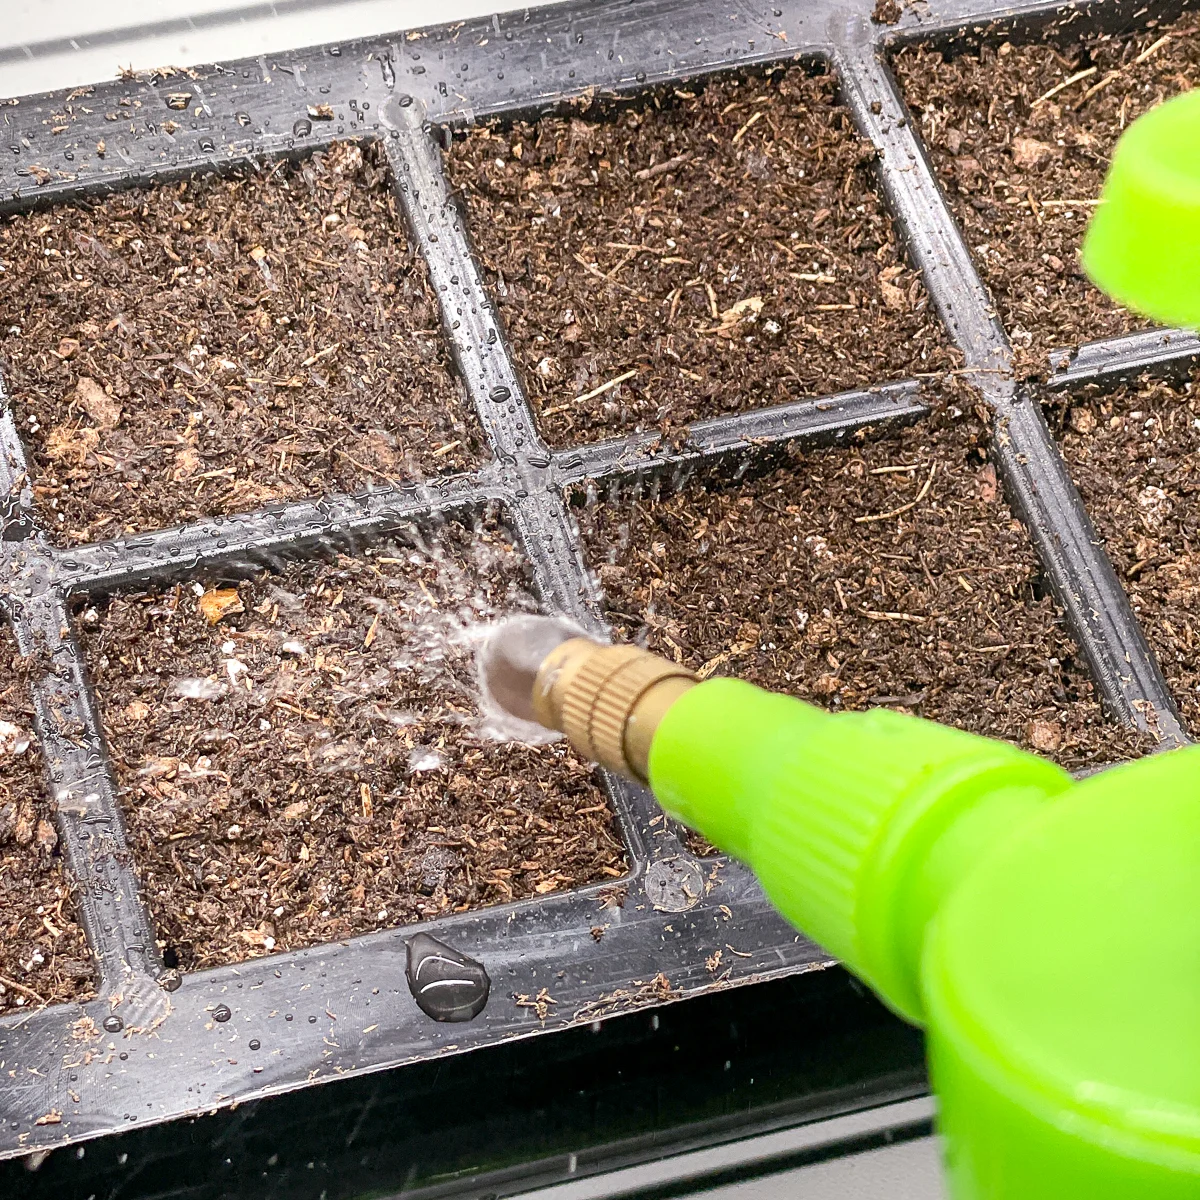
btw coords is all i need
(507, 656)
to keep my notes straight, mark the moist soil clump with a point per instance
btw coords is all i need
(221, 343)
(44, 957)
(712, 250)
(1133, 454)
(300, 760)
(1023, 167)
(891, 573)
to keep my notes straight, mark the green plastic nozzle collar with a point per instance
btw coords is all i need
(1143, 245)
(857, 824)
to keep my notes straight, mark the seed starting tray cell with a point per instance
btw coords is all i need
(217, 344)
(165, 1039)
(887, 573)
(43, 953)
(1134, 452)
(309, 766)
(1021, 136)
(695, 254)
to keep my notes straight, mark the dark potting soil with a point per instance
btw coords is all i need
(713, 250)
(217, 344)
(44, 956)
(310, 766)
(891, 573)
(1021, 137)
(1133, 454)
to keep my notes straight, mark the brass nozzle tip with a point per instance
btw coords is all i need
(608, 700)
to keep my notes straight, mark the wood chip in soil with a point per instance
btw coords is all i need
(217, 344)
(44, 956)
(1015, 160)
(891, 573)
(711, 250)
(1133, 454)
(311, 766)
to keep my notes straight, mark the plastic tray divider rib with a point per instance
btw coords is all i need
(827, 421)
(955, 23)
(248, 542)
(82, 797)
(1035, 475)
(88, 816)
(1108, 363)
(481, 352)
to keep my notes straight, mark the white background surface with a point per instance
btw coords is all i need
(47, 44)
(35, 54)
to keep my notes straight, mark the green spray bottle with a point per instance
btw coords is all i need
(1044, 932)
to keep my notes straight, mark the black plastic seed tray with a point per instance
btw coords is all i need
(172, 1047)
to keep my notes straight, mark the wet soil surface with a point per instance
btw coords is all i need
(1134, 456)
(712, 250)
(217, 344)
(1023, 168)
(311, 767)
(891, 573)
(44, 957)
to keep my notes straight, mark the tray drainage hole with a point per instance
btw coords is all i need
(113, 1024)
(222, 1013)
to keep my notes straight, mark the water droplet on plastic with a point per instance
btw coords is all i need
(640, 77)
(500, 392)
(207, 145)
(404, 100)
(312, 1020)
(242, 118)
(255, 1044)
(114, 1024)
(335, 51)
(222, 1013)
(302, 128)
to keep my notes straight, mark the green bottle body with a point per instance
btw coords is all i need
(1044, 932)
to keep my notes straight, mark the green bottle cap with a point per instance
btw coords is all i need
(1143, 245)
(1062, 993)
(1045, 932)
